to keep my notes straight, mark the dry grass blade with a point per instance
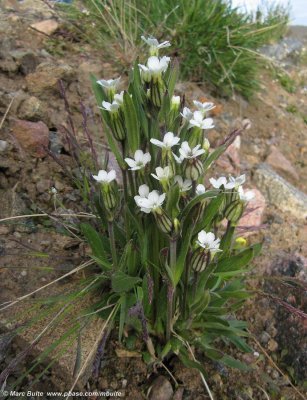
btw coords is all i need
(77, 269)
(80, 215)
(6, 112)
(91, 353)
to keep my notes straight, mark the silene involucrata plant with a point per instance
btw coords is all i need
(171, 262)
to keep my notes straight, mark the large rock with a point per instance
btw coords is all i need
(32, 109)
(46, 76)
(280, 163)
(252, 218)
(48, 27)
(31, 136)
(281, 193)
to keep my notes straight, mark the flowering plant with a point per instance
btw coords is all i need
(165, 243)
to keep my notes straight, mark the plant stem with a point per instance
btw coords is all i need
(193, 188)
(185, 288)
(112, 241)
(171, 289)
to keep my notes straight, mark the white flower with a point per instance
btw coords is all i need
(143, 193)
(151, 202)
(187, 114)
(110, 107)
(155, 65)
(184, 185)
(162, 174)
(245, 196)
(119, 98)
(109, 84)
(235, 182)
(200, 189)
(206, 144)
(169, 140)
(105, 177)
(203, 107)
(154, 44)
(175, 101)
(187, 152)
(201, 122)
(178, 159)
(139, 161)
(208, 241)
(217, 183)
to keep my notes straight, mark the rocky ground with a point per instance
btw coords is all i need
(36, 51)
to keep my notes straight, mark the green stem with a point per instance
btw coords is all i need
(113, 246)
(193, 191)
(185, 288)
(171, 289)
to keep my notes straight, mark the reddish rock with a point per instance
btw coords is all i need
(280, 163)
(252, 217)
(46, 76)
(230, 160)
(31, 136)
(49, 26)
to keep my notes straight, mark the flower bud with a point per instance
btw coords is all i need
(199, 260)
(164, 222)
(175, 103)
(206, 144)
(192, 168)
(156, 92)
(118, 128)
(176, 226)
(234, 211)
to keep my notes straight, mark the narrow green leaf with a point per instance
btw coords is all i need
(94, 239)
(122, 282)
(236, 262)
(213, 156)
(233, 363)
(173, 77)
(132, 123)
(172, 201)
(196, 200)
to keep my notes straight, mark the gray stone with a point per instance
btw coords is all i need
(32, 109)
(284, 49)
(26, 60)
(161, 389)
(3, 145)
(281, 193)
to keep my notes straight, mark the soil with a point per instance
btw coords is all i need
(278, 120)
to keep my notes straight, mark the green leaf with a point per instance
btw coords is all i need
(236, 262)
(122, 282)
(196, 200)
(173, 197)
(132, 123)
(233, 363)
(240, 343)
(213, 156)
(173, 77)
(210, 212)
(183, 254)
(96, 244)
(190, 363)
